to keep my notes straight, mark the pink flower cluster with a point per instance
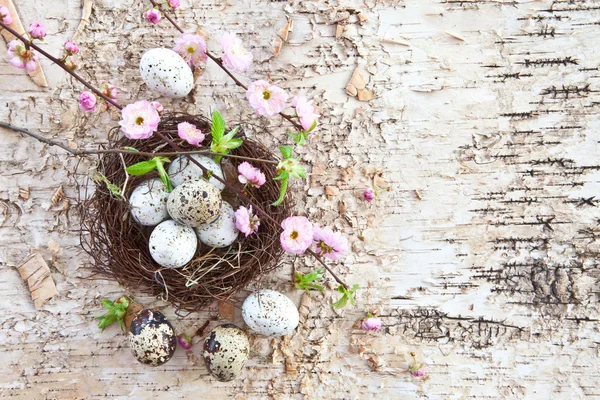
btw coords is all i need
(299, 234)
(190, 133)
(266, 99)
(20, 57)
(139, 120)
(371, 323)
(87, 102)
(235, 55)
(251, 175)
(5, 16)
(191, 47)
(153, 16)
(245, 221)
(369, 194)
(37, 30)
(305, 111)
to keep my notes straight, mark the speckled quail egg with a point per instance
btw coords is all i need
(166, 73)
(194, 203)
(172, 245)
(226, 351)
(149, 202)
(152, 339)
(182, 170)
(270, 313)
(222, 232)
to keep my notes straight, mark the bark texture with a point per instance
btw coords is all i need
(481, 256)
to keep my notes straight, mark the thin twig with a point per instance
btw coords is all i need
(122, 151)
(218, 61)
(61, 64)
(320, 260)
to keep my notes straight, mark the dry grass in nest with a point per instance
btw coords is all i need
(119, 246)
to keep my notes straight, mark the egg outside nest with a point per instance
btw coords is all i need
(226, 350)
(152, 339)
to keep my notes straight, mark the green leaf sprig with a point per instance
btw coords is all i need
(301, 137)
(347, 296)
(114, 189)
(116, 313)
(287, 168)
(307, 281)
(222, 143)
(157, 163)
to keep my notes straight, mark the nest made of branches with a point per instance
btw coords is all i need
(118, 245)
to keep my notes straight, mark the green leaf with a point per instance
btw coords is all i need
(286, 151)
(312, 127)
(131, 149)
(142, 168)
(284, 184)
(307, 281)
(231, 134)
(234, 143)
(114, 189)
(116, 312)
(347, 296)
(164, 176)
(217, 128)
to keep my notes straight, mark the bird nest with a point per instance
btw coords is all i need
(118, 245)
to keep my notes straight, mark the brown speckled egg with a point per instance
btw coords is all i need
(270, 313)
(152, 339)
(226, 351)
(194, 203)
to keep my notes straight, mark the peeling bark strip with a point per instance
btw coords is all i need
(35, 271)
(482, 258)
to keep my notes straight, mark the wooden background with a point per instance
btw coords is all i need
(481, 258)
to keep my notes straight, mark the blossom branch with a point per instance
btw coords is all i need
(218, 61)
(60, 63)
(83, 152)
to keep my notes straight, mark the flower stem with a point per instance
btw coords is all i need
(60, 64)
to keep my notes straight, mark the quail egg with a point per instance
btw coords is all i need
(222, 232)
(152, 339)
(182, 170)
(149, 202)
(172, 245)
(270, 313)
(194, 203)
(226, 351)
(165, 72)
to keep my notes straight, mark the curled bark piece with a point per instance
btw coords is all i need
(85, 18)
(37, 274)
(37, 76)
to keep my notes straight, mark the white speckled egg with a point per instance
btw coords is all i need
(172, 245)
(222, 232)
(182, 170)
(194, 203)
(166, 73)
(149, 202)
(270, 313)
(152, 339)
(226, 350)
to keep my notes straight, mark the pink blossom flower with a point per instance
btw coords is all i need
(37, 30)
(190, 133)
(245, 221)
(174, 3)
(20, 57)
(185, 341)
(153, 16)
(159, 107)
(71, 47)
(297, 235)
(109, 90)
(139, 120)
(266, 99)
(87, 102)
(328, 243)
(417, 369)
(235, 56)
(369, 194)
(305, 111)
(419, 373)
(251, 175)
(371, 324)
(5, 16)
(191, 47)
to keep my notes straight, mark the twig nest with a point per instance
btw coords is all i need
(166, 73)
(149, 203)
(182, 170)
(270, 313)
(172, 245)
(226, 351)
(194, 203)
(222, 232)
(152, 339)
